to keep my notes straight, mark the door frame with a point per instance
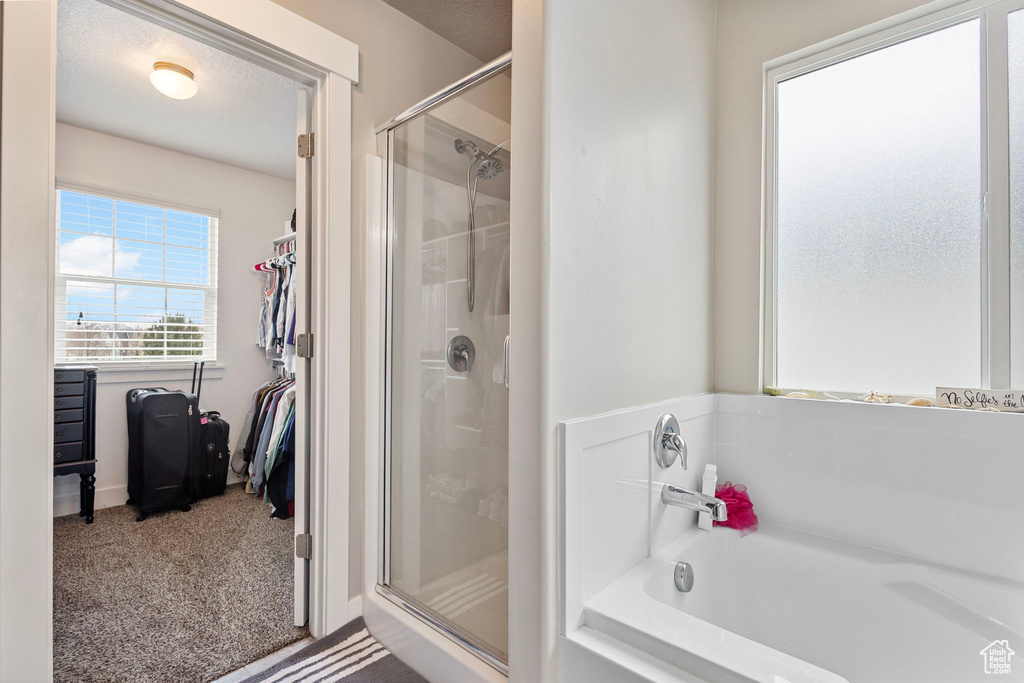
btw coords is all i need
(268, 35)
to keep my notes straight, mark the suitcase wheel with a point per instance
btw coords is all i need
(185, 508)
(141, 517)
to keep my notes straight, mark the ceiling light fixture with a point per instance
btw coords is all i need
(174, 81)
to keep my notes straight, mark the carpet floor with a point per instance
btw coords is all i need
(182, 597)
(350, 654)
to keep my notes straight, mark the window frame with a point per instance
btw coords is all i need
(211, 291)
(995, 163)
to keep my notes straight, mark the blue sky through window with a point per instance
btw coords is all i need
(108, 252)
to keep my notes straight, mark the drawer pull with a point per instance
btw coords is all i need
(68, 452)
(69, 376)
(73, 389)
(67, 432)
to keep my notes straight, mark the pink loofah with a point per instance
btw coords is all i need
(737, 503)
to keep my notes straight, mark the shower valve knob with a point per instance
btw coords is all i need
(461, 353)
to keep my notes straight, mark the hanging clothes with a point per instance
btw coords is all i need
(281, 473)
(277, 303)
(283, 413)
(239, 458)
(288, 327)
(261, 321)
(259, 415)
(269, 431)
(265, 450)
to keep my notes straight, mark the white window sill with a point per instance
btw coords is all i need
(153, 374)
(846, 398)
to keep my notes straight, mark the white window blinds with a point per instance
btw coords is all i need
(135, 283)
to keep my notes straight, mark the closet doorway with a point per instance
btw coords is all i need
(183, 231)
(266, 34)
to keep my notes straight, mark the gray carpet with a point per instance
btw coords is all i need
(182, 597)
(350, 654)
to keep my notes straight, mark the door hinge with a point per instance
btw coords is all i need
(306, 146)
(304, 345)
(303, 546)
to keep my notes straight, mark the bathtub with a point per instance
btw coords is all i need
(783, 606)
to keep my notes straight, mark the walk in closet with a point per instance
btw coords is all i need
(180, 238)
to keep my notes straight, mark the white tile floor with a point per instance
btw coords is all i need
(261, 665)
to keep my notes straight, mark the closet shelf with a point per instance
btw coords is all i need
(284, 238)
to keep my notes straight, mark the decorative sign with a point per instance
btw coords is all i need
(979, 399)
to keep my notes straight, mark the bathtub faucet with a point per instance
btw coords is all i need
(691, 500)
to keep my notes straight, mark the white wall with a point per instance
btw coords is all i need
(629, 135)
(400, 63)
(749, 33)
(626, 282)
(254, 209)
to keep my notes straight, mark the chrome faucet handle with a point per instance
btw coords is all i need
(674, 442)
(668, 444)
(461, 353)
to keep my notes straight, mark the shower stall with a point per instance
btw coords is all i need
(444, 460)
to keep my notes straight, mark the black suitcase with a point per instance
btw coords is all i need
(210, 465)
(163, 435)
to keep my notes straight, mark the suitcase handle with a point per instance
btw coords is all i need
(135, 392)
(197, 389)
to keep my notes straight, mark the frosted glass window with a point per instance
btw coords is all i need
(878, 230)
(1016, 51)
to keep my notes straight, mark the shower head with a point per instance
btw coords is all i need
(489, 165)
(488, 168)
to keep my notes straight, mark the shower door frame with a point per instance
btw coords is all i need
(380, 269)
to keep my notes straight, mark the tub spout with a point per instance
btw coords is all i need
(691, 500)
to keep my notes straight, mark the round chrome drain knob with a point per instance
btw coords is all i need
(683, 576)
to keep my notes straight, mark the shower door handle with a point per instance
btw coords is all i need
(505, 372)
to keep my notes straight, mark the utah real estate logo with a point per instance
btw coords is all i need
(997, 657)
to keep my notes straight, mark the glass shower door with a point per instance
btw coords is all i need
(446, 459)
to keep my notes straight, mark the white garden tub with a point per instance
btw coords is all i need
(781, 606)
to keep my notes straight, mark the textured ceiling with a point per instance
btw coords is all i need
(483, 28)
(244, 115)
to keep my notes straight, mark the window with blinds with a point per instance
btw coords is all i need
(135, 283)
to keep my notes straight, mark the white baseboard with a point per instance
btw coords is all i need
(355, 607)
(68, 504)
